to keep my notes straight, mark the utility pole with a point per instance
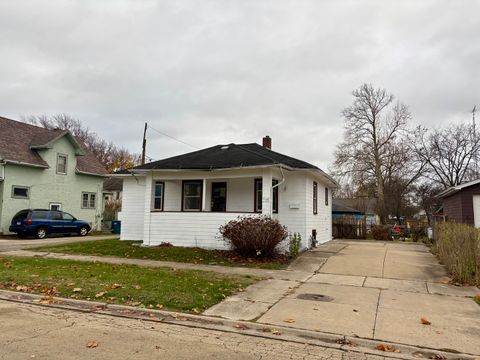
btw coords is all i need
(144, 143)
(475, 164)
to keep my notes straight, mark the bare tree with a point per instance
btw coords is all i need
(376, 146)
(451, 153)
(111, 156)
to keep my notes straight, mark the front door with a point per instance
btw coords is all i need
(219, 196)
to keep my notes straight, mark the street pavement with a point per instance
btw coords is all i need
(36, 332)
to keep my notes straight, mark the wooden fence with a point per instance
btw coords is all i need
(349, 227)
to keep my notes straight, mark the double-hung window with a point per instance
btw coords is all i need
(192, 195)
(62, 164)
(258, 196)
(89, 200)
(159, 190)
(315, 198)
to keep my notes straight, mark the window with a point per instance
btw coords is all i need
(39, 214)
(89, 200)
(192, 195)
(158, 195)
(258, 196)
(61, 164)
(55, 206)
(56, 215)
(20, 192)
(315, 198)
(326, 196)
(67, 216)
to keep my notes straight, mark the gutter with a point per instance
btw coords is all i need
(89, 173)
(25, 164)
(2, 169)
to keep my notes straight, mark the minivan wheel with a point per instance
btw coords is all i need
(83, 231)
(41, 233)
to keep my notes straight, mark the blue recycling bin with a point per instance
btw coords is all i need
(116, 226)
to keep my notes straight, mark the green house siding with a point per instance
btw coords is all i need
(47, 186)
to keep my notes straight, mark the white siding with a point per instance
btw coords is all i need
(132, 213)
(189, 229)
(322, 221)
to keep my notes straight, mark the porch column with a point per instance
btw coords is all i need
(267, 198)
(148, 208)
(204, 194)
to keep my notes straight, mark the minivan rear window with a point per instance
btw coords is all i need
(39, 214)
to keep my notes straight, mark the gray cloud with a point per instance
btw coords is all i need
(232, 71)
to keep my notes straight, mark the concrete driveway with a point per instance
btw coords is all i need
(12, 243)
(375, 290)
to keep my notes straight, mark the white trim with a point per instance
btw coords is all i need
(25, 164)
(89, 173)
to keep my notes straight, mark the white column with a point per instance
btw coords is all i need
(267, 196)
(204, 194)
(148, 208)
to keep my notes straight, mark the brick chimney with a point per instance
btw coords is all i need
(267, 142)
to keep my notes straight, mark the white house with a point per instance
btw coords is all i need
(184, 200)
(47, 169)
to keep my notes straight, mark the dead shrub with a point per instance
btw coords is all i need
(382, 232)
(254, 236)
(458, 247)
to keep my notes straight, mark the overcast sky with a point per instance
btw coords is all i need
(212, 72)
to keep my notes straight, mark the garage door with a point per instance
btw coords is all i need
(476, 210)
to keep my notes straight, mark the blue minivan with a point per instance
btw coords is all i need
(40, 223)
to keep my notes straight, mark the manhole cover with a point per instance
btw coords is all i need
(315, 297)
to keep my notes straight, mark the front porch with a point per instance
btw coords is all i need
(188, 210)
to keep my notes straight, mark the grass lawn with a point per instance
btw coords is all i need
(477, 299)
(130, 249)
(181, 290)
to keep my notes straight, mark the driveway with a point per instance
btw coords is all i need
(12, 243)
(374, 290)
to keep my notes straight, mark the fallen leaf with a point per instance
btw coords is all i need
(46, 300)
(181, 319)
(289, 321)
(241, 326)
(438, 357)
(22, 288)
(345, 342)
(35, 276)
(116, 286)
(77, 289)
(159, 306)
(424, 321)
(100, 294)
(387, 348)
(137, 287)
(92, 344)
(275, 332)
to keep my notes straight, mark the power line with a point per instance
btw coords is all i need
(173, 138)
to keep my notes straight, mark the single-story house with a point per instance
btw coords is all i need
(461, 203)
(183, 200)
(47, 169)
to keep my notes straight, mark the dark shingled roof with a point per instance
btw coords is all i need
(113, 184)
(18, 139)
(227, 156)
(340, 208)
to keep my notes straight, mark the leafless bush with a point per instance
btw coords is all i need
(458, 247)
(382, 232)
(254, 236)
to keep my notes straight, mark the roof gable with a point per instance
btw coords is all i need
(19, 143)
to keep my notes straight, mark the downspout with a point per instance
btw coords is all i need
(274, 186)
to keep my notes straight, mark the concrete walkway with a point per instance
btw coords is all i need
(376, 290)
(11, 243)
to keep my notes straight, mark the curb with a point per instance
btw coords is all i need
(280, 333)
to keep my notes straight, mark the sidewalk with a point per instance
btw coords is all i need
(288, 275)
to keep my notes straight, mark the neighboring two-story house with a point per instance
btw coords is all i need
(47, 169)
